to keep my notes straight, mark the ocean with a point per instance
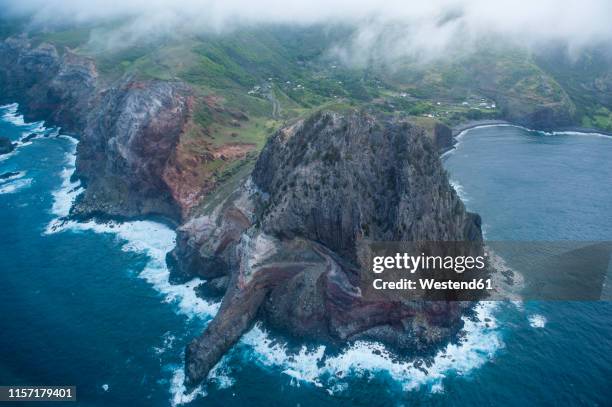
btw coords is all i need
(90, 305)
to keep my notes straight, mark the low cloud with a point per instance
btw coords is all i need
(384, 29)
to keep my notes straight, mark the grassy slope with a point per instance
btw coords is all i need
(251, 82)
(233, 64)
(462, 86)
(247, 84)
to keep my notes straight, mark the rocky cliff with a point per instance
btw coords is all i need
(536, 114)
(59, 89)
(287, 245)
(126, 146)
(128, 130)
(443, 137)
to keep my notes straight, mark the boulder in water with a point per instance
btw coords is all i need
(6, 146)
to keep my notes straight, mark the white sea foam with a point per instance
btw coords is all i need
(15, 186)
(437, 388)
(31, 132)
(480, 342)
(460, 190)
(459, 137)
(11, 115)
(178, 391)
(154, 240)
(546, 133)
(19, 174)
(37, 127)
(64, 196)
(17, 147)
(537, 321)
(478, 345)
(147, 237)
(21, 143)
(220, 375)
(577, 133)
(168, 340)
(8, 155)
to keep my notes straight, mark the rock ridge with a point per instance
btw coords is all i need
(289, 242)
(128, 129)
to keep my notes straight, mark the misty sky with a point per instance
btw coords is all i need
(402, 27)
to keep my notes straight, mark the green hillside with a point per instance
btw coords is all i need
(274, 74)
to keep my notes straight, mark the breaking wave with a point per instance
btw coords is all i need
(537, 321)
(481, 339)
(29, 131)
(153, 239)
(460, 190)
(479, 343)
(16, 185)
(12, 115)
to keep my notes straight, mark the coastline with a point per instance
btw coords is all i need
(460, 128)
(312, 366)
(304, 365)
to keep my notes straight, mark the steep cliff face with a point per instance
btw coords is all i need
(289, 240)
(59, 89)
(337, 180)
(535, 114)
(286, 245)
(128, 130)
(442, 136)
(125, 148)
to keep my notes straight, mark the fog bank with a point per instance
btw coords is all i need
(401, 28)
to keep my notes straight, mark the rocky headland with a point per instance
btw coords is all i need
(288, 245)
(128, 129)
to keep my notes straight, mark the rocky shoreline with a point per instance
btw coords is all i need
(460, 128)
(128, 130)
(286, 245)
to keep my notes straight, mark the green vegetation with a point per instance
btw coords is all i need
(600, 118)
(274, 75)
(248, 83)
(587, 79)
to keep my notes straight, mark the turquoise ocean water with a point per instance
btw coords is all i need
(90, 305)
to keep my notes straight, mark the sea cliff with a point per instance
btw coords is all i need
(128, 129)
(284, 246)
(287, 245)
